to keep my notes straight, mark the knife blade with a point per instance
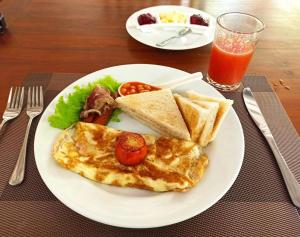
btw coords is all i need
(292, 185)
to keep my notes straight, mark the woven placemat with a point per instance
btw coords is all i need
(257, 205)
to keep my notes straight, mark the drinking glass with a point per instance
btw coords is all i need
(233, 46)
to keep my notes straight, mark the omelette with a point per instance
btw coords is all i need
(170, 165)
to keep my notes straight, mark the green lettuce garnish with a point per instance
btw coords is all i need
(67, 111)
(115, 116)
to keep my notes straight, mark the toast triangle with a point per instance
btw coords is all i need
(195, 116)
(158, 110)
(212, 108)
(224, 106)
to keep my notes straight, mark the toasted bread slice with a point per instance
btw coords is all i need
(158, 110)
(194, 115)
(212, 108)
(224, 106)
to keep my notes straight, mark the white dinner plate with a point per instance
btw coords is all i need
(189, 41)
(134, 208)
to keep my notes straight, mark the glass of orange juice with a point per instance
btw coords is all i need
(234, 44)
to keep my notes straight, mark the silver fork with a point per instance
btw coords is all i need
(181, 33)
(14, 104)
(35, 106)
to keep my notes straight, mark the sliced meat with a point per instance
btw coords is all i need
(99, 103)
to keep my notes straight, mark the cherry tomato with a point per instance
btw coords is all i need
(131, 148)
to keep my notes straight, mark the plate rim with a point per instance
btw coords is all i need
(127, 26)
(102, 220)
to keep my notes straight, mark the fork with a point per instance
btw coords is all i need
(14, 104)
(35, 106)
(181, 33)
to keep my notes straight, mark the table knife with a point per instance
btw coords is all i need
(292, 185)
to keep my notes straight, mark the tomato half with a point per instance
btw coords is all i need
(131, 148)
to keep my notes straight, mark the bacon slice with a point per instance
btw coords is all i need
(100, 103)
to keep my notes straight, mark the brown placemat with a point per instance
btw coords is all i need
(257, 204)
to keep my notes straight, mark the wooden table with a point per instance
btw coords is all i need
(85, 36)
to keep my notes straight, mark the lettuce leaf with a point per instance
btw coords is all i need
(115, 116)
(67, 110)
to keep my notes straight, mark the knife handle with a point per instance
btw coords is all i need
(292, 184)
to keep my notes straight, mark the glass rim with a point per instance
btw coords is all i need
(240, 32)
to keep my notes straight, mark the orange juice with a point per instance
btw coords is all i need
(228, 65)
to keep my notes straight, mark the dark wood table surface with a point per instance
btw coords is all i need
(85, 36)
